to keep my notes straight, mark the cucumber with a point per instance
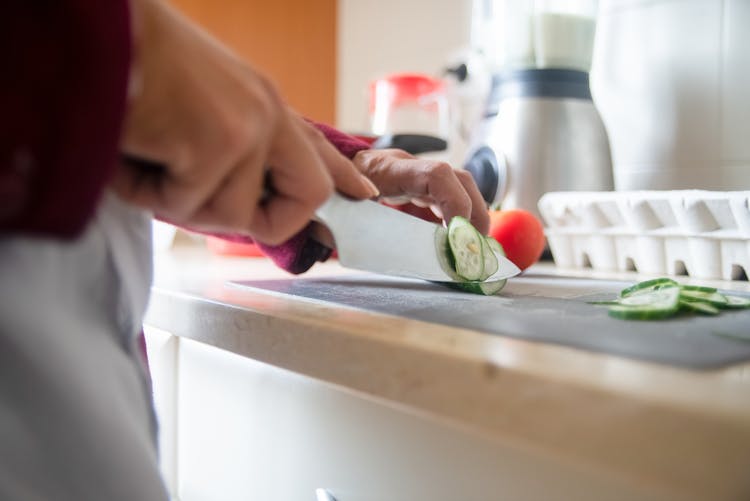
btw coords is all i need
(495, 245)
(475, 287)
(655, 304)
(490, 261)
(466, 244)
(699, 307)
(450, 263)
(647, 286)
(713, 298)
(663, 297)
(737, 301)
(444, 254)
(698, 288)
(492, 288)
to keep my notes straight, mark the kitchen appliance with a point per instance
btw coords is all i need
(410, 111)
(671, 80)
(541, 131)
(372, 237)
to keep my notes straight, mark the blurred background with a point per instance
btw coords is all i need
(323, 54)
(531, 96)
(668, 77)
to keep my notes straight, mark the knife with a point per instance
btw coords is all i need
(372, 237)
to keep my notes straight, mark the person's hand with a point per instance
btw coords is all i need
(428, 183)
(216, 134)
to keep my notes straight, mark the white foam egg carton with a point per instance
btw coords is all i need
(703, 234)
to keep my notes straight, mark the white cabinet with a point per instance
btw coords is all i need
(245, 430)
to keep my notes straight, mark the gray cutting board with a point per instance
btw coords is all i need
(538, 308)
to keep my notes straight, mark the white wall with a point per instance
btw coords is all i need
(378, 37)
(670, 80)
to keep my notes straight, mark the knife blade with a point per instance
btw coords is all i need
(372, 237)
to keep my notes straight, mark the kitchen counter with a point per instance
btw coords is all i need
(667, 432)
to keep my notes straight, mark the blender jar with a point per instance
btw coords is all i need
(533, 34)
(564, 33)
(515, 19)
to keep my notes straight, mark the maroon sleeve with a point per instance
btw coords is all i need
(298, 254)
(62, 91)
(346, 144)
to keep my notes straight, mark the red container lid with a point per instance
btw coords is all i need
(404, 87)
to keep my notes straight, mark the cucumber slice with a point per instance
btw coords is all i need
(459, 235)
(699, 307)
(490, 261)
(466, 245)
(495, 245)
(663, 297)
(698, 288)
(630, 313)
(444, 254)
(483, 288)
(737, 301)
(712, 298)
(648, 286)
(492, 288)
(657, 303)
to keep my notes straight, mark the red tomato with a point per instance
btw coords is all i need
(520, 233)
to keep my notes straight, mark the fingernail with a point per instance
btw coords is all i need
(374, 191)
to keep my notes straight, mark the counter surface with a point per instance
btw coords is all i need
(683, 432)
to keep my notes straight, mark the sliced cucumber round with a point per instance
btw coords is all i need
(648, 286)
(455, 248)
(492, 288)
(630, 313)
(495, 245)
(737, 301)
(663, 297)
(466, 245)
(698, 288)
(699, 307)
(713, 298)
(483, 288)
(490, 261)
(445, 255)
(658, 303)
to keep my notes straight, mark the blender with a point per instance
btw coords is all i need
(540, 131)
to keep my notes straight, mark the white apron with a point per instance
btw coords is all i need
(76, 415)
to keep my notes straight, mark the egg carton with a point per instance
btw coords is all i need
(703, 234)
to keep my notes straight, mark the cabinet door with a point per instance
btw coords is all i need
(248, 430)
(292, 41)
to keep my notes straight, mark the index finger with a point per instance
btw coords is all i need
(480, 217)
(439, 183)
